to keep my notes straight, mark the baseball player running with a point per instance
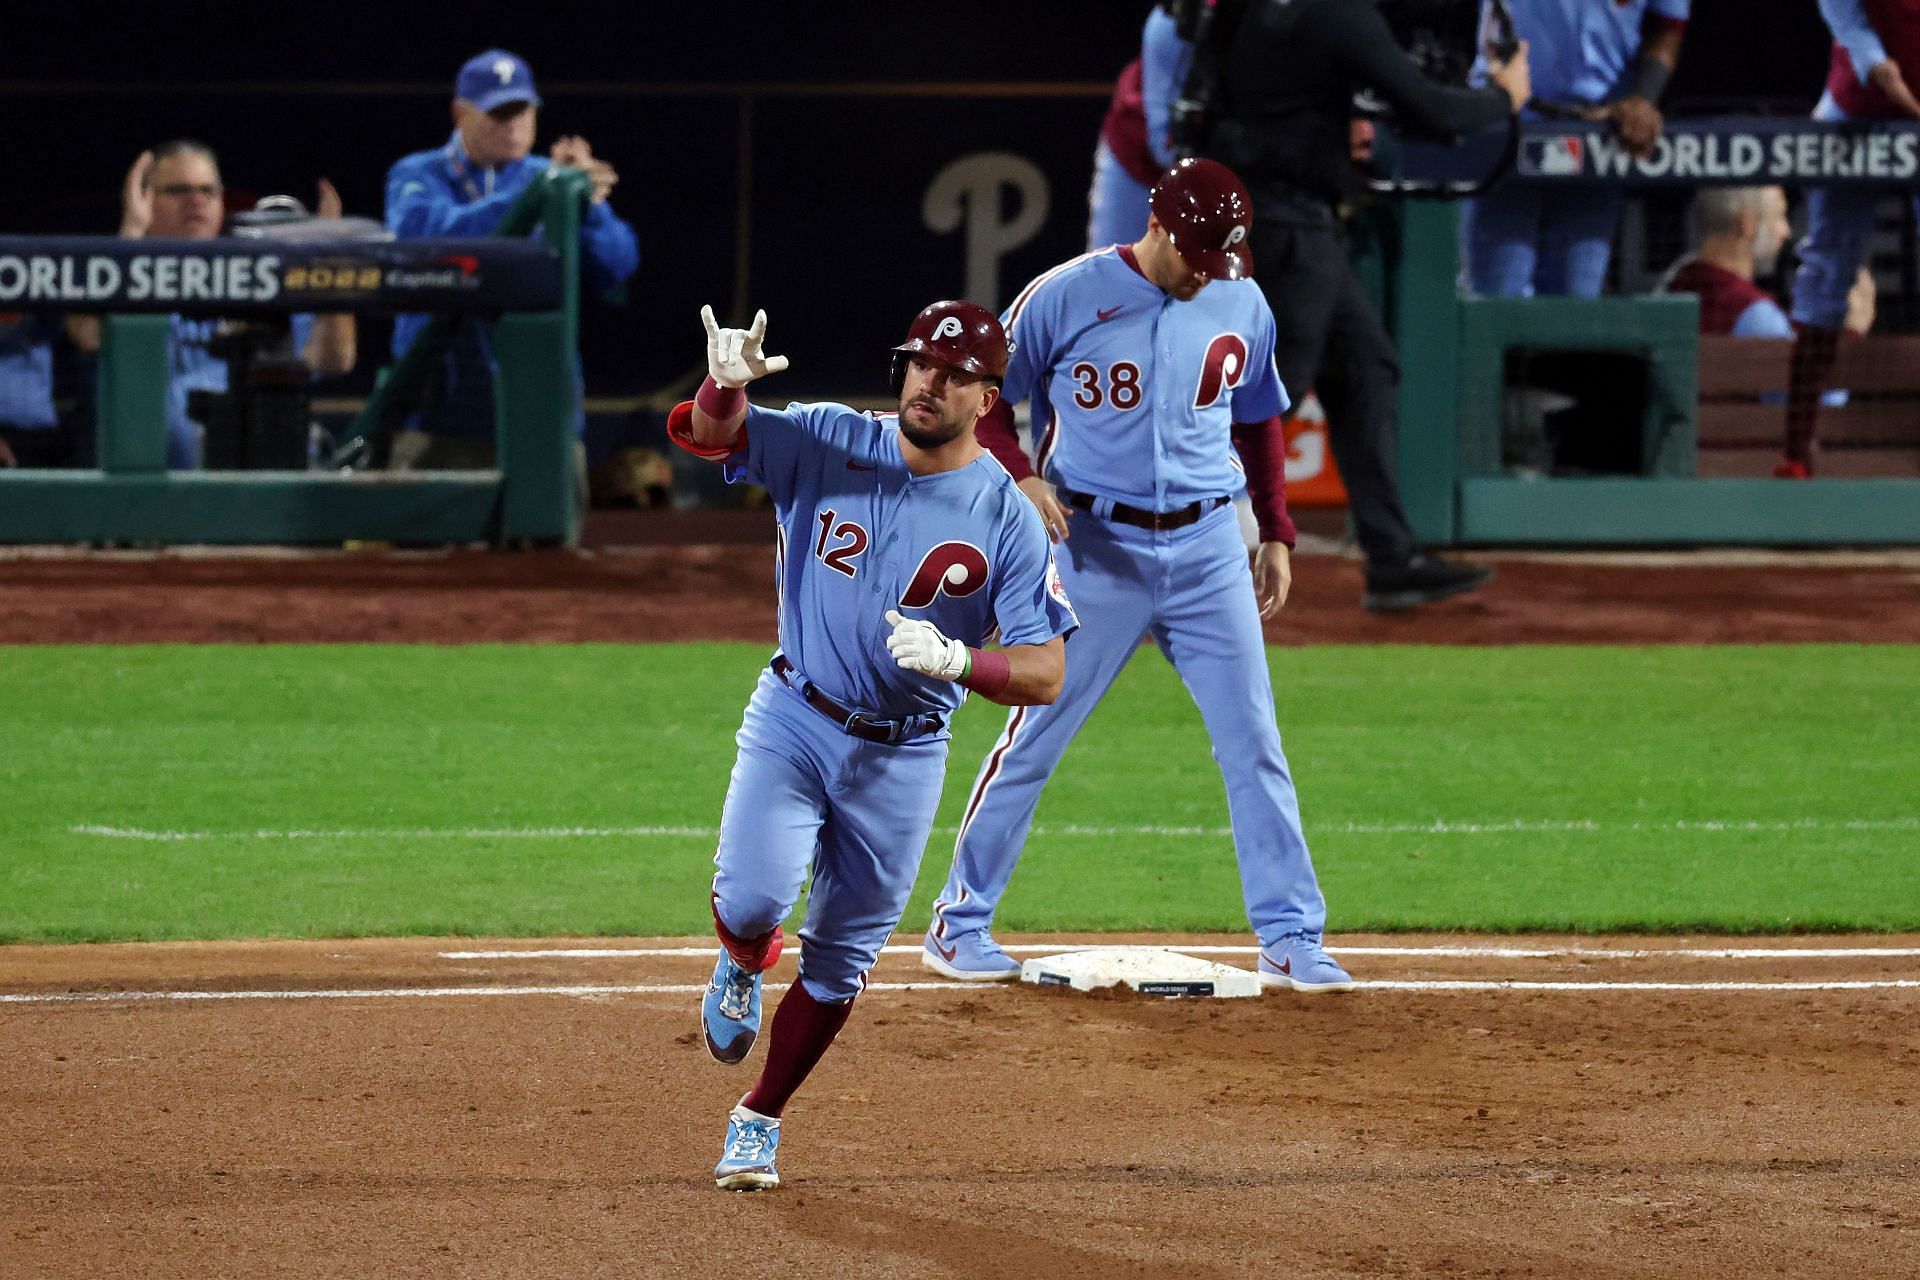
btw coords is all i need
(903, 546)
(1872, 74)
(1146, 365)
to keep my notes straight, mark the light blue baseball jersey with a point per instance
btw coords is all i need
(26, 373)
(1135, 393)
(1164, 58)
(860, 534)
(1582, 50)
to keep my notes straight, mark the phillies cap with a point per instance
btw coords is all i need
(494, 78)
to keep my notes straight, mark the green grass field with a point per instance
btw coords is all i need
(188, 792)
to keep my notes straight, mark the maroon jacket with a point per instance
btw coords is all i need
(1724, 296)
(1125, 128)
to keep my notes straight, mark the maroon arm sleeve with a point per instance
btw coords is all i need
(1263, 451)
(997, 434)
(680, 431)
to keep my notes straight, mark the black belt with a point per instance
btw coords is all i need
(1141, 518)
(854, 722)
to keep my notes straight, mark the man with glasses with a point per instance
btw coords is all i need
(174, 192)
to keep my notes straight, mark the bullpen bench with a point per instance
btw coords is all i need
(1743, 414)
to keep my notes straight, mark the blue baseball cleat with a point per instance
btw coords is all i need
(730, 1011)
(1297, 960)
(969, 957)
(747, 1163)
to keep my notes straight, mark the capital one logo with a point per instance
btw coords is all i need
(971, 196)
(1234, 237)
(503, 67)
(949, 327)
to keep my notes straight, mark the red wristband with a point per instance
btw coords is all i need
(719, 402)
(989, 673)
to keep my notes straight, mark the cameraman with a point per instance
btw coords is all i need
(1287, 73)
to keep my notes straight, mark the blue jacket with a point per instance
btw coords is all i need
(26, 373)
(443, 193)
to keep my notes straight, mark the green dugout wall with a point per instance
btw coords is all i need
(533, 288)
(1453, 353)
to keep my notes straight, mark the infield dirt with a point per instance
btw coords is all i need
(724, 591)
(1010, 1131)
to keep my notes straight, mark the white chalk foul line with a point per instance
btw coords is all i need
(1497, 953)
(1434, 828)
(587, 991)
(1525, 985)
(683, 988)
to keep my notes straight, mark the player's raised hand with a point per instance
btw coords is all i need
(136, 198)
(918, 645)
(328, 205)
(734, 356)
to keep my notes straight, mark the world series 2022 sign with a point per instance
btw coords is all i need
(230, 277)
(1711, 151)
(1728, 150)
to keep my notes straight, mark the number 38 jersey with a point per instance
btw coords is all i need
(1134, 393)
(860, 534)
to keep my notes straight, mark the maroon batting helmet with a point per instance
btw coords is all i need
(1208, 215)
(959, 335)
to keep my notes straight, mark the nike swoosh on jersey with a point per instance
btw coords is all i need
(1110, 312)
(859, 466)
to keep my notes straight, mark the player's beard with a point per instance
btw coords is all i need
(947, 427)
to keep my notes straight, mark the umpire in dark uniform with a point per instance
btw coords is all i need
(1282, 105)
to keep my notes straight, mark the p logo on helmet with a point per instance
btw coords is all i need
(960, 335)
(1207, 213)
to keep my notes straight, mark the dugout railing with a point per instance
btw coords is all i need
(1455, 350)
(528, 288)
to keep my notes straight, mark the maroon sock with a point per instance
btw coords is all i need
(755, 955)
(802, 1029)
(1814, 350)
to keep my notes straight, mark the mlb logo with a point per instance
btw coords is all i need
(1552, 157)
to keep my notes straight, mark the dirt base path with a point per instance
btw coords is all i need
(384, 1107)
(723, 590)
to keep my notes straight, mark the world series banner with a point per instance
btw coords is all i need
(237, 277)
(1712, 151)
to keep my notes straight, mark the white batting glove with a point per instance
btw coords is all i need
(919, 646)
(733, 355)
